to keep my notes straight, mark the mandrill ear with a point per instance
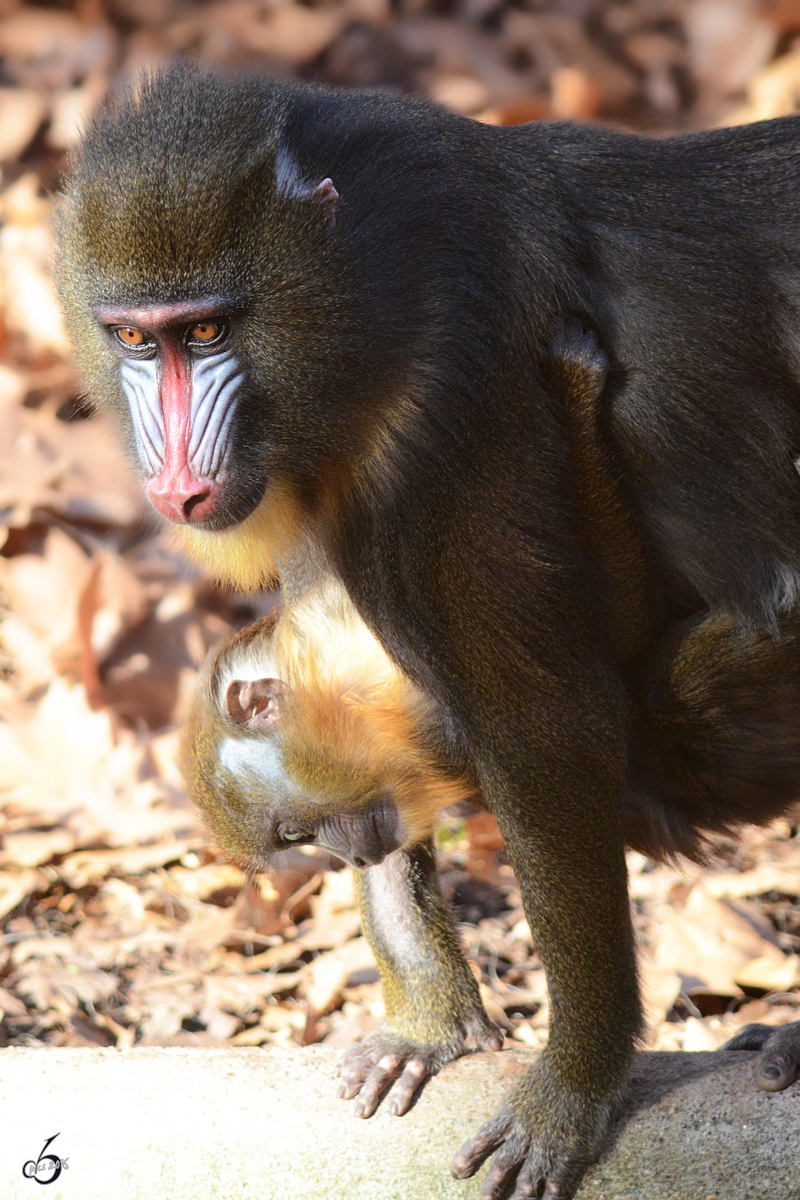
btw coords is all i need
(290, 184)
(254, 703)
(326, 195)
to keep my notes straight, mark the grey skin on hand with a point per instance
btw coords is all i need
(779, 1062)
(384, 1064)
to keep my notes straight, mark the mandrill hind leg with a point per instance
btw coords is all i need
(433, 1007)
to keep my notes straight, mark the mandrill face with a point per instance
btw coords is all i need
(182, 378)
(207, 284)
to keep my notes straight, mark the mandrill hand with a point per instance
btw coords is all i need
(545, 1137)
(369, 1068)
(779, 1062)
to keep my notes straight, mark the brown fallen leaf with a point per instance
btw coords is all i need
(50, 48)
(16, 885)
(292, 32)
(772, 92)
(11, 1005)
(27, 292)
(32, 849)
(334, 911)
(766, 878)
(710, 941)
(460, 93)
(726, 44)
(22, 111)
(42, 594)
(276, 956)
(327, 974)
(203, 883)
(86, 865)
(574, 96)
(259, 907)
(770, 973)
(43, 980)
(517, 112)
(242, 993)
(700, 1035)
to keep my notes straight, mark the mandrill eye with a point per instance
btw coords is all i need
(294, 835)
(133, 338)
(205, 333)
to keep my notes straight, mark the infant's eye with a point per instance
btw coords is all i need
(130, 336)
(205, 332)
(295, 835)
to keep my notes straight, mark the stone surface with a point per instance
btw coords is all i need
(169, 1124)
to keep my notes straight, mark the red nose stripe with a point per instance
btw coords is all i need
(177, 492)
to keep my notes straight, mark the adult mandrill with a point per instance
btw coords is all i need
(325, 321)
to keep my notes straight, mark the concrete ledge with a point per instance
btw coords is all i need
(178, 1124)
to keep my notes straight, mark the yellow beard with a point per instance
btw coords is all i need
(244, 555)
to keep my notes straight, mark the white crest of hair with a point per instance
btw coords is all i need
(289, 182)
(259, 757)
(785, 590)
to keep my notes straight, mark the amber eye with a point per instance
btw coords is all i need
(130, 337)
(206, 331)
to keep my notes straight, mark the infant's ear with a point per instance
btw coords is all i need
(254, 703)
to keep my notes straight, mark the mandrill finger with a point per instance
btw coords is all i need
(403, 1091)
(350, 1087)
(777, 1071)
(529, 1182)
(376, 1084)
(353, 1074)
(562, 1181)
(498, 1182)
(779, 1065)
(506, 1168)
(477, 1149)
(780, 1061)
(490, 1040)
(487, 1035)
